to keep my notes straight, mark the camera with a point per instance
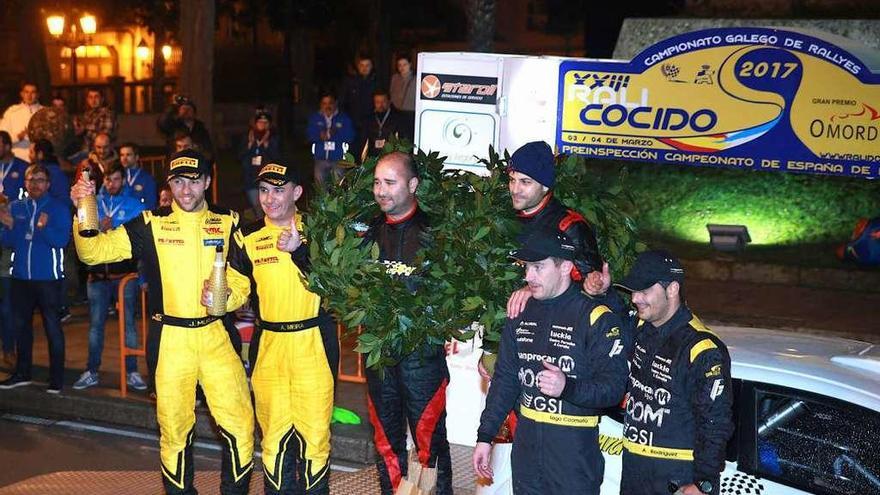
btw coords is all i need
(180, 100)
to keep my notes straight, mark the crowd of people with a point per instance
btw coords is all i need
(570, 350)
(362, 118)
(36, 234)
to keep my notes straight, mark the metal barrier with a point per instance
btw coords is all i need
(359, 376)
(155, 164)
(125, 351)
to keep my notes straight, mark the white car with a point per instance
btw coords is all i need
(807, 413)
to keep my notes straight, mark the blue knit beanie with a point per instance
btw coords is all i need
(535, 159)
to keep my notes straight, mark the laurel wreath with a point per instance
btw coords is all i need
(460, 282)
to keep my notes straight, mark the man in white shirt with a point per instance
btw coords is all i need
(16, 118)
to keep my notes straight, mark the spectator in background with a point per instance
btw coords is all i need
(58, 103)
(181, 116)
(182, 141)
(12, 170)
(114, 209)
(258, 145)
(139, 183)
(165, 197)
(73, 150)
(403, 95)
(37, 229)
(16, 119)
(356, 99)
(100, 159)
(382, 124)
(331, 133)
(7, 329)
(43, 152)
(97, 119)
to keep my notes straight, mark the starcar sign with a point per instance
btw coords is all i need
(745, 98)
(458, 88)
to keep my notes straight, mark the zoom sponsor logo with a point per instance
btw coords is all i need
(641, 412)
(526, 377)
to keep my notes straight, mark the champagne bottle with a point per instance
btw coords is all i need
(217, 285)
(87, 212)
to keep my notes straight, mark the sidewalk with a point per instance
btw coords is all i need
(351, 444)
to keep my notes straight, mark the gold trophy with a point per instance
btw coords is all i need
(217, 285)
(87, 212)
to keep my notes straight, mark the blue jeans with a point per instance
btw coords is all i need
(7, 329)
(100, 292)
(28, 295)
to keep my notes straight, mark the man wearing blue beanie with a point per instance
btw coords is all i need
(532, 171)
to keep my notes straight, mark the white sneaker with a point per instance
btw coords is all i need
(135, 381)
(86, 380)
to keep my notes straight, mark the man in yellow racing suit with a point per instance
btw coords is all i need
(293, 378)
(177, 246)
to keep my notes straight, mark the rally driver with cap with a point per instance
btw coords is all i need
(678, 415)
(561, 362)
(177, 246)
(298, 350)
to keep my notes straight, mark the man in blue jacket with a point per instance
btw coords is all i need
(114, 209)
(138, 183)
(37, 229)
(331, 133)
(43, 152)
(12, 169)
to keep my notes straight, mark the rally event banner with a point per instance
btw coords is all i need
(745, 98)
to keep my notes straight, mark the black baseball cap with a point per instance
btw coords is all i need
(538, 244)
(650, 268)
(277, 174)
(188, 163)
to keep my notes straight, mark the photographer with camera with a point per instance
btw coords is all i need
(181, 116)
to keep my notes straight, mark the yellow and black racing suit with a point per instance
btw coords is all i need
(294, 370)
(177, 249)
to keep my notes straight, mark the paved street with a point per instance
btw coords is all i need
(48, 457)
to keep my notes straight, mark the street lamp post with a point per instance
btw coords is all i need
(73, 37)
